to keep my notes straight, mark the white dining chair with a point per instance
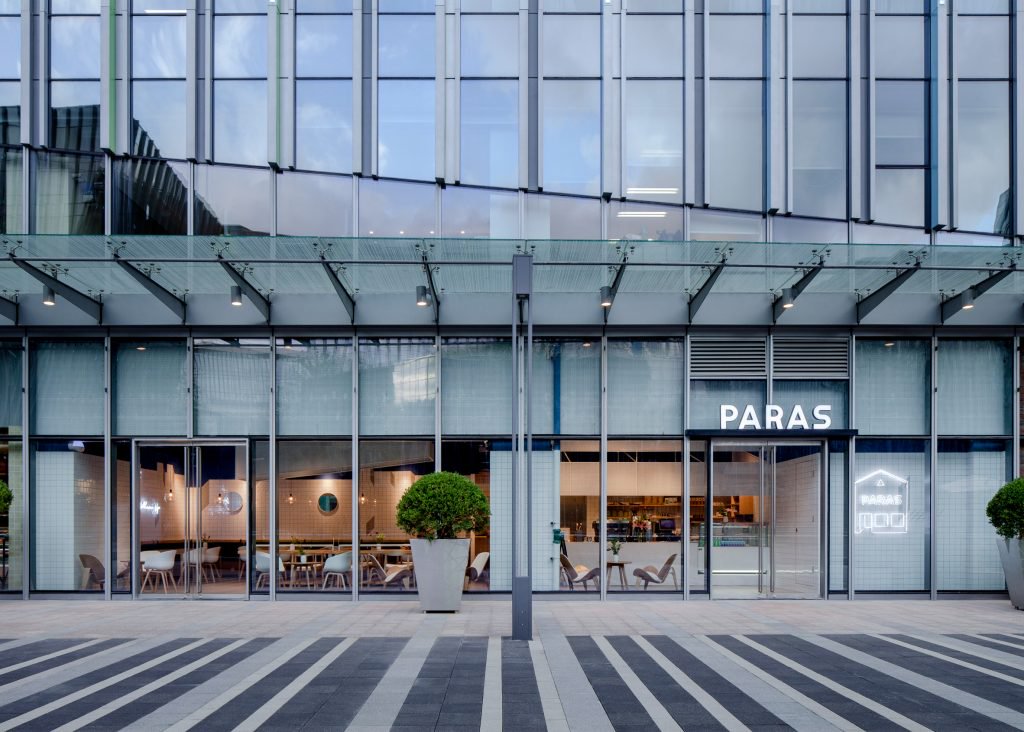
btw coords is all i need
(159, 565)
(338, 566)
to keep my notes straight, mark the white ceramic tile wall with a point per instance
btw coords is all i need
(967, 555)
(301, 518)
(15, 557)
(797, 558)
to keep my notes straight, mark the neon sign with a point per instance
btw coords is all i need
(151, 506)
(775, 417)
(880, 500)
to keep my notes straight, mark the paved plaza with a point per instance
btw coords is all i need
(664, 664)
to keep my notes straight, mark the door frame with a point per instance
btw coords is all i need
(136, 546)
(763, 443)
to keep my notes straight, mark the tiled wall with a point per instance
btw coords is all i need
(16, 533)
(967, 557)
(797, 528)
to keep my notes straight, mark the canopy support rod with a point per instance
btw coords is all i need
(343, 294)
(167, 298)
(9, 309)
(255, 296)
(698, 298)
(866, 304)
(88, 305)
(795, 289)
(435, 299)
(953, 305)
(616, 281)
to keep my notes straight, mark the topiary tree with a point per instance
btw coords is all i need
(5, 497)
(1005, 510)
(442, 506)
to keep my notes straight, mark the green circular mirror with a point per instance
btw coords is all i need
(327, 503)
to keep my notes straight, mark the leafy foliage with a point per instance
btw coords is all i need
(5, 497)
(1006, 510)
(442, 506)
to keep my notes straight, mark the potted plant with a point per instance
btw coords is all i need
(436, 510)
(1005, 512)
(615, 545)
(6, 496)
(380, 540)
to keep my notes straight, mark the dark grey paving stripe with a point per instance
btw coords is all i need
(988, 644)
(27, 652)
(960, 655)
(684, 709)
(169, 692)
(841, 705)
(448, 693)
(911, 701)
(1005, 637)
(83, 706)
(239, 708)
(334, 697)
(623, 708)
(521, 708)
(59, 661)
(59, 691)
(725, 692)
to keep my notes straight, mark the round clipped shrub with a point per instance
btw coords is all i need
(1005, 510)
(5, 497)
(442, 506)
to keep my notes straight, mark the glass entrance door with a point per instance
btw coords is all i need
(766, 520)
(191, 520)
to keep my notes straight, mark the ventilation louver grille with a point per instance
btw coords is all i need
(793, 358)
(728, 359)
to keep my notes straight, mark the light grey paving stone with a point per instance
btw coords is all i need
(945, 691)
(989, 654)
(490, 717)
(659, 715)
(582, 708)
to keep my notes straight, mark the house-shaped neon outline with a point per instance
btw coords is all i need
(906, 502)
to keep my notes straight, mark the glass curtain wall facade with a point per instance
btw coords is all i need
(644, 123)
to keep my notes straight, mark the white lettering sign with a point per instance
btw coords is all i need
(881, 501)
(775, 417)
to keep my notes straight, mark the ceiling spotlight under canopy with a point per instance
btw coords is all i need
(49, 298)
(422, 298)
(236, 296)
(606, 297)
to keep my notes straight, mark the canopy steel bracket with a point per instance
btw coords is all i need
(167, 298)
(869, 302)
(9, 309)
(620, 270)
(435, 298)
(255, 296)
(809, 273)
(88, 305)
(698, 298)
(953, 305)
(339, 288)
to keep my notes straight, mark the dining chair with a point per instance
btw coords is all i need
(651, 575)
(97, 574)
(159, 565)
(339, 567)
(477, 570)
(211, 560)
(580, 574)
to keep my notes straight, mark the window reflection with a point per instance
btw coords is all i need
(240, 46)
(323, 124)
(69, 196)
(10, 112)
(75, 47)
(406, 45)
(899, 196)
(150, 197)
(323, 45)
(490, 45)
(10, 48)
(389, 208)
(314, 205)
(240, 122)
(490, 143)
(819, 46)
(900, 122)
(158, 47)
(405, 139)
(983, 197)
(653, 45)
(654, 140)
(158, 118)
(819, 161)
(75, 115)
(735, 46)
(735, 144)
(983, 49)
(899, 47)
(469, 212)
(582, 57)
(722, 226)
(572, 136)
(640, 221)
(397, 386)
(231, 200)
(561, 217)
(10, 191)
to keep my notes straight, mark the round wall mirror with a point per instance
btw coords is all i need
(232, 502)
(327, 503)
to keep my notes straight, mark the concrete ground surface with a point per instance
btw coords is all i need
(382, 665)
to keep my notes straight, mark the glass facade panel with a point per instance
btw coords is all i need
(838, 516)
(69, 195)
(653, 46)
(892, 385)
(323, 45)
(314, 205)
(719, 226)
(707, 396)
(472, 459)
(983, 47)
(572, 137)
(561, 217)
(405, 138)
(645, 387)
(232, 200)
(323, 125)
(150, 197)
(900, 122)
(476, 381)
(10, 114)
(582, 57)
(984, 201)
(240, 122)
(819, 46)
(735, 46)
(975, 386)
(158, 118)
(158, 47)
(653, 155)
(475, 212)
(489, 45)
(899, 47)
(569, 472)
(259, 518)
(735, 144)
(314, 386)
(10, 48)
(75, 47)
(406, 45)
(968, 474)
(490, 139)
(12, 535)
(240, 46)
(150, 388)
(314, 516)
(389, 208)
(67, 385)
(397, 386)
(891, 516)
(899, 196)
(10, 388)
(232, 386)
(819, 161)
(566, 387)
(67, 509)
(75, 115)
(809, 395)
(11, 212)
(645, 221)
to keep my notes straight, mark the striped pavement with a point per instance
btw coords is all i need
(434, 681)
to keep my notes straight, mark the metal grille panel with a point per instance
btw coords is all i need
(797, 358)
(728, 359)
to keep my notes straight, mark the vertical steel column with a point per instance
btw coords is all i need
(133, 512)
(191, 384)
(1017, 136)
(613, 95)
(854, 111)
(441, 128)
(602, 534)
(41, 108)
(954, 125)
(205, 148)
(939, 102)
(933, 474)
(28, 109)
(451, 99)
(273, 71)
(528, 95)
(1015, 447)
(191, 87)
(26, 455)
(522, 571)
(271, 472)
(437, 402)
(705, 197)
(850, 453)
(689, 103)
(868, 209)
(370, 49)
(355, 468)
(357, 96)
(684, 548)
(109, 561)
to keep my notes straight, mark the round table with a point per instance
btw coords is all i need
(621, 564)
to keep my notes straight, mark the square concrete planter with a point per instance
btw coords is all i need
(440, 573)
(1013, 569)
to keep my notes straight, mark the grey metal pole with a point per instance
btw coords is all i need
(522, 580)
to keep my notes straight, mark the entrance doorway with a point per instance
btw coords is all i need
(191, 519)
(766, 520)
